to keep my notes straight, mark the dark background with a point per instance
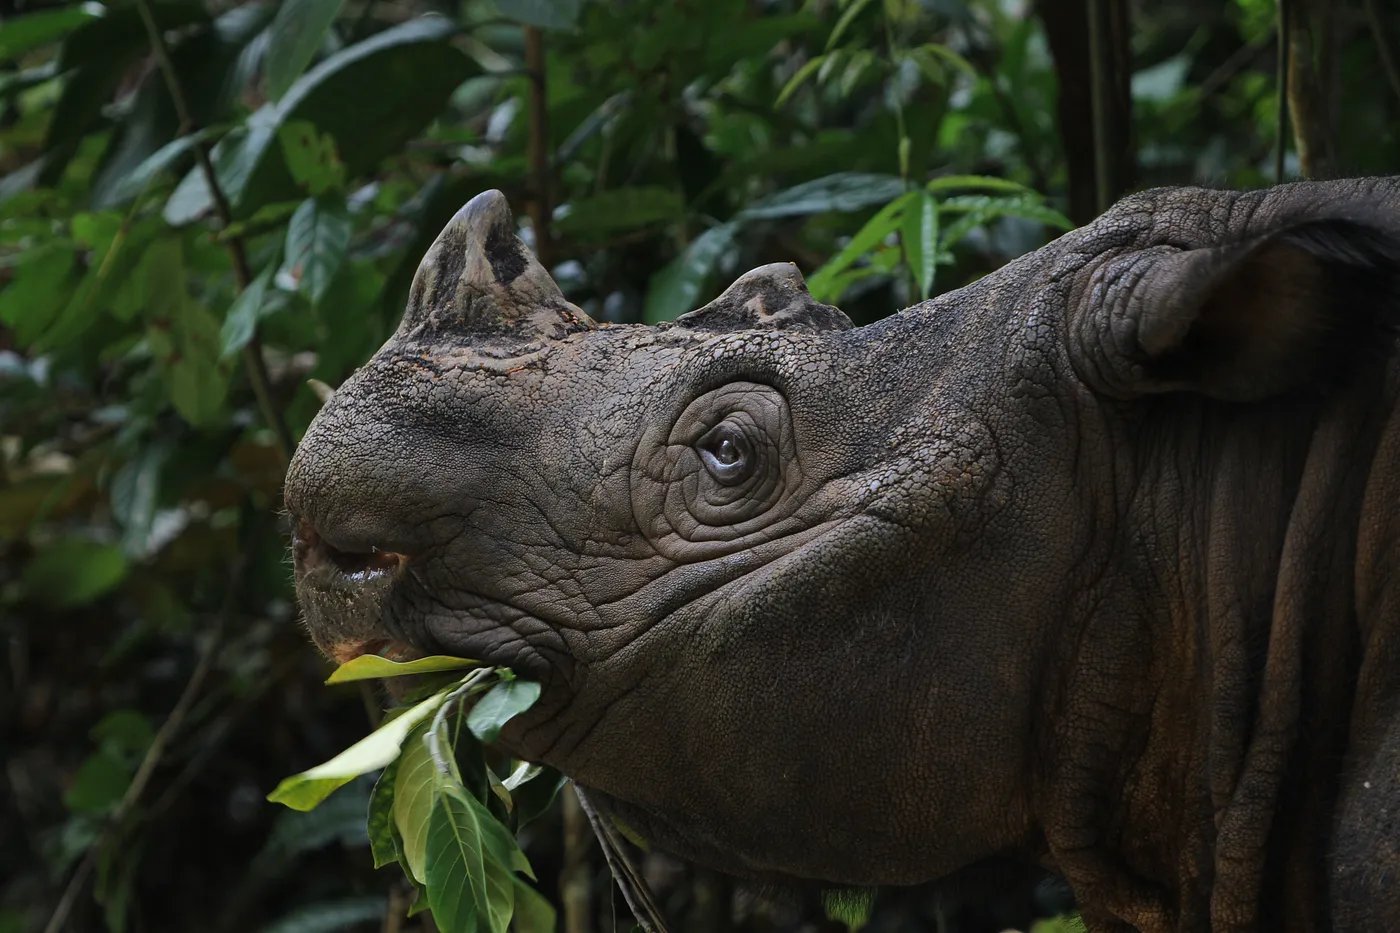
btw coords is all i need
(156, 336)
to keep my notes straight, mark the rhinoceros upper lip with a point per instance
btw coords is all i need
(313, 550)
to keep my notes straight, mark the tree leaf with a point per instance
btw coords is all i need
(131, 184)
(799, 78)
(535, 794)
(294, 37)
(197, 391)
(341, 819)
(42, 281)
(674, 289)
(368, 98)
(241, 322)
(546, 14)
(533, 914)
(32, 30)
(305, 790)
(455, 866)
(97, 56)
(134, 493)
(125, 733)
(869, 236)
(499, 705)
(844, 22)
(379, 825)
(1028, 206)
(311, 157)
(73, 572)
(934, 55)
(197, 378)
(372, 666)
(235, 158)
(373, 95)
(620, 210)
(919, 233)
(99, 784)
(329, 916)
(317, 237)
(465, 842)
(842, 191)
(985, 182)
(110, 267)
(415, 784)
(978, 210)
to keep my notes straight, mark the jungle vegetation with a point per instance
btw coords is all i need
(208, 208)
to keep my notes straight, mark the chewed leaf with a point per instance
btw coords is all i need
(305, 790)
(372, 666)
(500, 704)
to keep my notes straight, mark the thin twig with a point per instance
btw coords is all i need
(152, 759)
(628, 877)
(575, 876)
(396, 911)
(254, 365)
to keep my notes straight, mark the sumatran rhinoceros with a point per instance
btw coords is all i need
(1095, 562)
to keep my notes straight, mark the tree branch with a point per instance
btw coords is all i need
(1311, 83)
(254, 365)
(154, 754)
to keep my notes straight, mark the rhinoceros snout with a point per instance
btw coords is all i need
(342, 593)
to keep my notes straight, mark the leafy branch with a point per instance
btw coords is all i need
(254, 364)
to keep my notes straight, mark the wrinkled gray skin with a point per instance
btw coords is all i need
(1093, 562)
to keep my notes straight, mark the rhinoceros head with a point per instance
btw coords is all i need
(860, 605)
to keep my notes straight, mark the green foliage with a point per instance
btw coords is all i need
(894, 150)
(424, 814)
(306, 790)
(297, 32)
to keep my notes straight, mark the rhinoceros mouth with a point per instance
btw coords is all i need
(345, 652)
(313, 553)
(343, 593)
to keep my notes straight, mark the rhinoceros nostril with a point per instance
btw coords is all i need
(311, 550)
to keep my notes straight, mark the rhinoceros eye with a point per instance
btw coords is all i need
(726, 453)
(718, 472)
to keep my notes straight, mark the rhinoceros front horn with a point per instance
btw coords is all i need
(478, 280)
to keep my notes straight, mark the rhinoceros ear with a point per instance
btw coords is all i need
(478, 280)
(1246, 320)
(770, 296)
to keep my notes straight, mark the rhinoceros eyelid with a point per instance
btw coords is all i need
(726, 453)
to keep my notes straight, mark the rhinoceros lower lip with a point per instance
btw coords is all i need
(383, 647)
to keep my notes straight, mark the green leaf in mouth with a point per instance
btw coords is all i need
(373, 667)
(305, 790)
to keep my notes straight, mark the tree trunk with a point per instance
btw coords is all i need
(1094, 68)
(1312, 86)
